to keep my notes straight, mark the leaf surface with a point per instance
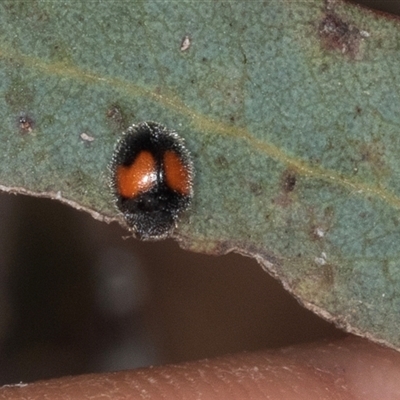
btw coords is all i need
(290, 109)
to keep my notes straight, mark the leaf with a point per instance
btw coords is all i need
(290, 110)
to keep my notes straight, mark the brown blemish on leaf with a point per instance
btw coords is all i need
(116, 118)
(222, 162)
(319, 277)
(372, 154)
(319, 226)
(328, 276)
(288, 181)
(288, 185)
(25, 124)
(337, 34)
(256, 188)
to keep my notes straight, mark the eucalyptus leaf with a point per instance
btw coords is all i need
(290, 110)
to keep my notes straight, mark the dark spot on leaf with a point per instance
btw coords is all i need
(25, 123)
(386, 270)
(315, 161)
(363, 215)
(373, 155)
(324, 67)
(222, 162)
(256, 188)
(61, 52)
(328, 275)
(114, 113)
(288, 181)
(288, 184)
(337, 34)
(29, 10)
(358, 111)
(117, 119)
(329, 212)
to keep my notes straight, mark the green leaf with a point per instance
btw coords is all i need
(291, 111)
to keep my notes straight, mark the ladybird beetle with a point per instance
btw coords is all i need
(152, 175)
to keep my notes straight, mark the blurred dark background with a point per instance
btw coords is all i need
(76, 297)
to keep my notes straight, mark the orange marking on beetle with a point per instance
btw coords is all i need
(138, 177)
(177, 175)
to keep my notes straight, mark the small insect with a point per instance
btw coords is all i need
(152, 179)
